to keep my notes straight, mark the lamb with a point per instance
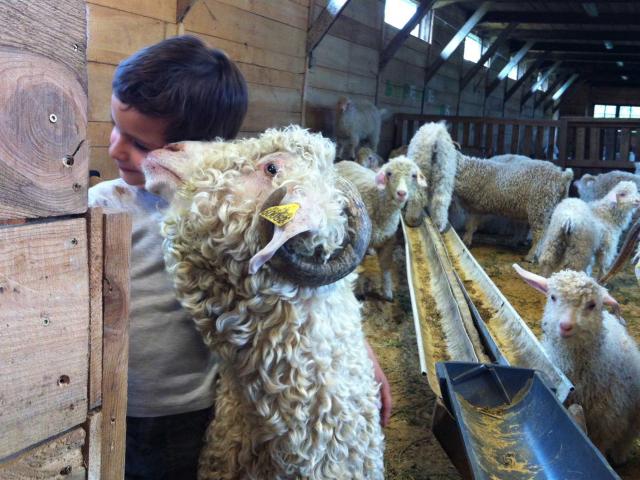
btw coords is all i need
(433, 150)
(597, 354)
(297, 396)
(584, 236)
(385, 194)
(594, 187)
(357, 124)
(368, 158)
(526, 191)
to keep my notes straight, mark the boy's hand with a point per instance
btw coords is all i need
(385, 388)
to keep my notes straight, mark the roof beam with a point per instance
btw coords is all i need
(585, 48)
(508, 67)
(587, 57)
(532, 68)
(488, 54)
(536, 85)
(555, 98)
(455, 42)
(323, 23)
(400, 37)
(554, 18)
(552, 88)
(577, 35)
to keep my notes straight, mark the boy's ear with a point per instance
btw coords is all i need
(165, 170)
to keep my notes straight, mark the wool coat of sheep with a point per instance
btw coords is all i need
(297, 396)
(594, 187)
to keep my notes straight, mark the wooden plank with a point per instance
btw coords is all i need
(92, 451)
(211, 17)
(160, 9)
(101, 161)
(477, 134)
(262, 97)
(115, 34)
(580, 143)
(100, 77)
(539, 151)
(500, 147)
(353, 58)
(49, 29)
(515, 139)
(94, 234)
(527, 141)
(356, 32)
(43, 118)
(117, 253)
(240, 51)
(58, 458)
(98, 133)
(465, 134)
(563, 135)
(271, 77)
(343, 83)
(323, 22)
(625, 139)
(44, 334)
(287, 12)
(182, 9)
(488, 142)
(594, 144)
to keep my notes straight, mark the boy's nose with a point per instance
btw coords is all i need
(116, 147)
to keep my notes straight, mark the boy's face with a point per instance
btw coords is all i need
(132, 137)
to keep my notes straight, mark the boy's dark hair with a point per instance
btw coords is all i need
(198, 89)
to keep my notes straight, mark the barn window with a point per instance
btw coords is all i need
(544, 86)
(398, 12)
(605, 111)
(629, 111)
(513, 73)
(473, 49)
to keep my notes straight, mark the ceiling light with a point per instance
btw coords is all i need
(624, 77)
(608, 45)
(620, 64)
(590, 8)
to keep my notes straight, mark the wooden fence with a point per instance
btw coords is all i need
(576, 142)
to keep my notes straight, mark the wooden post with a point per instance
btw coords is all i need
(117, 251)
(95, 241)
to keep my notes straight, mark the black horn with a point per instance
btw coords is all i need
(310, 271)
(628, 247)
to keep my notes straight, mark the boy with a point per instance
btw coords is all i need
(176, 90)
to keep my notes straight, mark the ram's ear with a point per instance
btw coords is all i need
(165, 170)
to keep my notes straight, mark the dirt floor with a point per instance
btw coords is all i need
(412, 452)
(497, 261)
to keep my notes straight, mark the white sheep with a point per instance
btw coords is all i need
(297, 396)
(358, 124)
(594, 187)
(584, 236)
(385, 193)
(592, 347)
(526, 191)
(368, 158)
(433, 150)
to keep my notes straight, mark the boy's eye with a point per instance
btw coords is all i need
(140, 147)
(271, 169)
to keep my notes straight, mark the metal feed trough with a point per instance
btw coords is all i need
(494, 421)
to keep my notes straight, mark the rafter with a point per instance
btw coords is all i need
(554, 18)
(400, 37)
(552, 88)
(507, 68)
(324, 21)
(569, 35)
(532, 68)
(455, 41)
(556, 97)
(488, 54)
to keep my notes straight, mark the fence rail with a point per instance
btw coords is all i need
(577, 142)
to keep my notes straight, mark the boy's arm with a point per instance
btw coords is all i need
(385, 388)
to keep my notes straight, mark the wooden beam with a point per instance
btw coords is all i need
(587, 57)
(555, 99)
(545, 75)
(532, 68)
(400, 37)
(182, 8)
(323, 23)
(507, 68)
(488, 54)
(455, 42)
(585, 47)
(552, 88)
(554, 18)
(545, 35)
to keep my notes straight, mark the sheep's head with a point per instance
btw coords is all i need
(574, 303)
(586, 187)
(624, 196)
(400, 178)
(218, 191)
(368, 158)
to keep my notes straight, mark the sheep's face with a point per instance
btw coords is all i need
(221, 189)
(400, 178)
(574, 303)
(624, 196)
(368, 158)
(586, 187)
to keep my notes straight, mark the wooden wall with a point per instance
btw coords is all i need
(580, 99)
(266, 39)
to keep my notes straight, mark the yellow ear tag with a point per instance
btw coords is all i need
(280, 214)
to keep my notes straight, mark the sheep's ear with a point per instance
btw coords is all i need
(165, 170)
(422, 180)
(607, 299)
(612, 197)
(536, 281)
(381, 178)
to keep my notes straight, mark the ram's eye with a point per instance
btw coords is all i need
(271, 169)
(415, 176)
(591, 305)
(389, 174)
(553, 298)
